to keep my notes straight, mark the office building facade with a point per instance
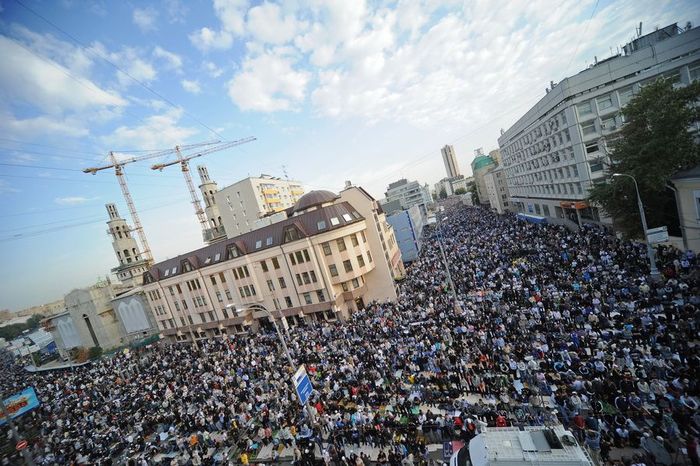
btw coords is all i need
(557, 151)
(497, 190)
(449, 158)
(408, 194)
(408, 229)
(332, 255)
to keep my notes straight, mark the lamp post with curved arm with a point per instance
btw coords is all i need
(653, 271)
(290, 361)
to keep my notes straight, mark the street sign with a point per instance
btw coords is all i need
(657, 235)
(302, 384)
(21, 445)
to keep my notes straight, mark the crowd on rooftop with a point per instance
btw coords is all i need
(548, 326)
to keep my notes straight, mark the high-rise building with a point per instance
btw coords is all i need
(244, 203)
(209, 188)
(557, 151)
(329, 257)
(408, 194)
(449, 158)
(131, 264)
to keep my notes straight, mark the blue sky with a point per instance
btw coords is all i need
(332, 90)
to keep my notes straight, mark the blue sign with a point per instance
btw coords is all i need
(18, 404)
(447, 451)
(302, 385)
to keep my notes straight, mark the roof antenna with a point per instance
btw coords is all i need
(284, 170)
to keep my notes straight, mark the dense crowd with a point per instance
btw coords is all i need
(548, 326)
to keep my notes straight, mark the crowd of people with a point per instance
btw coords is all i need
(543, 326)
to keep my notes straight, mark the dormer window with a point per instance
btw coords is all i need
(232, 251)
(148, 278)
(186, 266)
(291, 233)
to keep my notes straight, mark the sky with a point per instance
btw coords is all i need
(331, 90)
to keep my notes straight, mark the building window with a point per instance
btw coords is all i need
(299, 282)
(291, 258)
(605, 102)
(288, 301)
(225, 313)
(591, 147)
(313, 276)
(625, 95)
(321, 225)
(219, 297)
(347, 265)
(268, 241)
(282, 283)
(361, 260)
(588, 128)
(333, 269)
(258, 244)
(334, 221)
(347, 217)
(300, 257)
(326, 249)
(263, 265)
(275, 263)
(364, 238)
(584, 108)
(228, 295)
(222, 277)
(596, 167)
(353, 240)
(609, 124)
(270, 285)
(307, 298)
(355, 283)
(341, 244)
(307, 258)
(211, 315)
(369, 256)
(321, 297)
(345, 286)
(213, 279)
(291, 234)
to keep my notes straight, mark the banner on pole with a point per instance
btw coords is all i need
(18, 404)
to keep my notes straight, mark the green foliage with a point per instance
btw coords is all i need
(460, 191)
(443, 193)
(655, 144)
(475, 193)
(10, 332)
(95, 352)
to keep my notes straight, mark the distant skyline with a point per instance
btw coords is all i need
(333, 91)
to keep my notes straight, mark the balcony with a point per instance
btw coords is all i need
(270, 191)
(214, 234)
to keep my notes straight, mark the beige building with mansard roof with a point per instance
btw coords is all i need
(332, 255)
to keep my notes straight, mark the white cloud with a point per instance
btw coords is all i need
(267, 23)
(177, 11)
(43, 124)
(145, 18)
(231, 14)
(173, 60)
(268, 83)
(158, 131)
(73, 200)
(5, 187)
(192, 87)
(213, 70)
(47, 84)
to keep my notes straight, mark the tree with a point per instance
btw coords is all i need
(475, 193)
(460, 191)
(654, 145)
(443, 193)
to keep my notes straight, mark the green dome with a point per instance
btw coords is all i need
(481, 162)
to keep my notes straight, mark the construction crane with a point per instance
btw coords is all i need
(118, 166)
(184, 161)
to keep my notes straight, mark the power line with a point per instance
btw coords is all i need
(585, 30)
(142, 84)
(19, 236)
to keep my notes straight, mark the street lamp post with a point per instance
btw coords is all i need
(653, 271)
(447, 266)
(290, 361)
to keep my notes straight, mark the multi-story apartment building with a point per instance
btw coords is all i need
(497, 189)
(556, 152)
(408, 194)
(332, 255)
(408, 229)
(449, 158)
(242, 204)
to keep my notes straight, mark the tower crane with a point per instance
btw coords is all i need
(118, 166)
(184, 162)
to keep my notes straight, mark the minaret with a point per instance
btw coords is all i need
(216, 231)
(131, 265)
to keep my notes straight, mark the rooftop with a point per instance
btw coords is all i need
(482, 161)
(314, 199)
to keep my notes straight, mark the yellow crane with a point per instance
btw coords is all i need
(184, 161)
